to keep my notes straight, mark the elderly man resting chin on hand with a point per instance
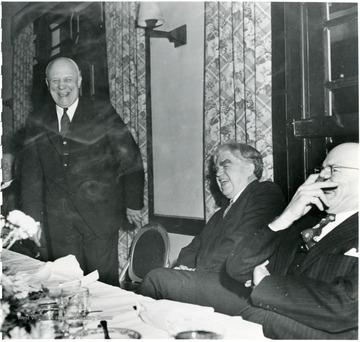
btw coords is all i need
(308, 289)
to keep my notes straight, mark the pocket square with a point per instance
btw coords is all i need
(352, 252)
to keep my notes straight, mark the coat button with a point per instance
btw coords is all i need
(261, 304)
(65, 164)
(64, 142)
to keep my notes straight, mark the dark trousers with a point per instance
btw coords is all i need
(92, 252)
(217, 290)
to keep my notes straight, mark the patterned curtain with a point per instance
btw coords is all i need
(237, 93)
(126, 66)
(24, 53)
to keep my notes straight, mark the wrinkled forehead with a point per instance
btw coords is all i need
(342, 156)
(62, 68)
(225, 155)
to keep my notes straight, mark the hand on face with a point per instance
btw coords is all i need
(309, 194)
(337, 192)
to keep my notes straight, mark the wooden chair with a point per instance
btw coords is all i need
(149, 250)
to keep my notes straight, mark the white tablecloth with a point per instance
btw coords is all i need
(117, 307)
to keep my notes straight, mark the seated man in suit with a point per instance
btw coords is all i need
(201, 264)
(309, 290)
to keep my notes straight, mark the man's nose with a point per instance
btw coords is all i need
(61, 84)
(325, 173)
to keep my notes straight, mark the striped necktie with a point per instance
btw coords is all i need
(64, 123)
(311, 236)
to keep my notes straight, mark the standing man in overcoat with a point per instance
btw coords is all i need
(82, 174)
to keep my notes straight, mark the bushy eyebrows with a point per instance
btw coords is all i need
(225, 162)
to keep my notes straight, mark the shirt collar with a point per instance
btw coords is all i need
(6, 184)
(237, 196)
(70, 112)
(339, 218)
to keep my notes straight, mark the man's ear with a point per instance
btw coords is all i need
(79, 81)
(249, 168)
(47, 83)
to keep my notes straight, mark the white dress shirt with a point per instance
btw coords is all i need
(70, 112)
(339, 218)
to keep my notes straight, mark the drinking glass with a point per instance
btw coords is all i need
(61, 293)
(77, 309)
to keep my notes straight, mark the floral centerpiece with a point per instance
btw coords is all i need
(17, 320)
(18, 226)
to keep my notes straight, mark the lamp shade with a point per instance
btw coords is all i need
(150, 15)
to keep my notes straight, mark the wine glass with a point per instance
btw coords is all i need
(61, 293)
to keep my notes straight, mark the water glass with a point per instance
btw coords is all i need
(77, 309)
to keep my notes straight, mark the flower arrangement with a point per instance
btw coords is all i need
(18, 226)
(17, 321)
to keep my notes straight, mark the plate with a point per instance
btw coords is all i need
(114, 333)
(198, 335)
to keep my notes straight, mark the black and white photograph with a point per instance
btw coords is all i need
(179, 170)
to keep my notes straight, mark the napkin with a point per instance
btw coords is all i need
(60, 270)
(175, 317)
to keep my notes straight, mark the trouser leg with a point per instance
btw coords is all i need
(165, 283)
(91, 252)
(217, 290)
(102, 255)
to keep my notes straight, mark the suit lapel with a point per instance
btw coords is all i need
(337, 238)
(51, 127)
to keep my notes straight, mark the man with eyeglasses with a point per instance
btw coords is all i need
(309, 289)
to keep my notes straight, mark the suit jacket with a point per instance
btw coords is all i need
(103, 176)
(320, 299)
(257, 205)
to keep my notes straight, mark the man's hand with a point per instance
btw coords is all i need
(310, 193)
(260, 272)
(184, 268)
(37, 237)
(134, 217)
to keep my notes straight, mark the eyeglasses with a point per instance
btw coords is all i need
(333, 168)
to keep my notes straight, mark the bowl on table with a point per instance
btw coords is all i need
(114, 333)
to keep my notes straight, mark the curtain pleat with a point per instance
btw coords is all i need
(126, 68)
(24, 53)
(237, 94)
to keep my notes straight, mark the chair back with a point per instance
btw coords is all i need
(149, 250)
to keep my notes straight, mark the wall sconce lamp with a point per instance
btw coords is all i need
(150, 16)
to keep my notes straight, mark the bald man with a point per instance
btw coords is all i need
(309, 288)
(82, 174)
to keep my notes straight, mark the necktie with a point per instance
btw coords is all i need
(311, 236)
(64, 123)
(228, 208)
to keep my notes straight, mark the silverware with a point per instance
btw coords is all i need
(104, 326)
